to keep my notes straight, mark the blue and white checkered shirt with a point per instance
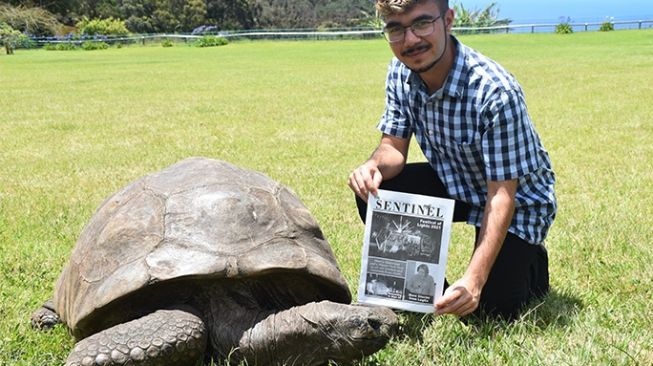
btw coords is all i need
(472, 130)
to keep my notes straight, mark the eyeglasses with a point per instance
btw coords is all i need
(421, 28)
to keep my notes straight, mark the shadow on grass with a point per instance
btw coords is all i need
(412, 325)
(557, 309)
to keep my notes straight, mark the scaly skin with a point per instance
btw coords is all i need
(162, 338)
(45, 317)
(314, 333)
(309, 334)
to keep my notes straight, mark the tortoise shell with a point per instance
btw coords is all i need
(199, 219)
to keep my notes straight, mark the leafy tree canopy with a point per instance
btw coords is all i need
(26, 19)
(147, 16)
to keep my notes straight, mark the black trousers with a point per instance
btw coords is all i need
(521, 270)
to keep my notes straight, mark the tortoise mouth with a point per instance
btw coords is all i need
(267, 292)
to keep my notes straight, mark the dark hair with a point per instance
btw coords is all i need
(391, 7)
(426, 268)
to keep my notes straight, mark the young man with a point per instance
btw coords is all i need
(469, 117)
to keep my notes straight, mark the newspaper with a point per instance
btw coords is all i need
(405, 250)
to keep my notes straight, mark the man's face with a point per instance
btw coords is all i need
(420, 52)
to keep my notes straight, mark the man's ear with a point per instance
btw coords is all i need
(449, 17)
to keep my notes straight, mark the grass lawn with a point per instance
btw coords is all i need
(76, 126)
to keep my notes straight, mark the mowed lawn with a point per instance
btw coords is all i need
(76, 126)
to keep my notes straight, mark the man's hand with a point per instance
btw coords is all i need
(461, 298)
(365, 179)
(386, 162)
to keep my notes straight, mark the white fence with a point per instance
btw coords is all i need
(346, 33)
(550, 27)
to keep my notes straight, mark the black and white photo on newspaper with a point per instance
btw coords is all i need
(405, 250)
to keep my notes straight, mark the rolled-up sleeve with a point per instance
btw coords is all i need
(394, 120)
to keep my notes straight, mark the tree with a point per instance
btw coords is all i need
(32, 20)
(137, 15)
(487, 17)
(347, 13)
(65, 10)
(314, 13)
(10, 37)
(194, 14)
(235, 14)
(98, 8)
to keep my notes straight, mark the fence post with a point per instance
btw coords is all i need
(640, 24)
(585, 27)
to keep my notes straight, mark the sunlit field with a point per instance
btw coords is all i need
(76, 126)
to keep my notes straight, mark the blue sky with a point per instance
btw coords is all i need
(543, 11)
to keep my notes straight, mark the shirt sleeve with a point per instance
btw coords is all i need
(510, 144)
(394, 120)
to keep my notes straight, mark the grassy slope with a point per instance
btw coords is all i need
(76, 126)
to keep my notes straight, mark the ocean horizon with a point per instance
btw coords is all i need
(579, 11)
(526, 12)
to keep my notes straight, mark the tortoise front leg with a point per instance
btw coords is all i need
(314, 333)
(162, 338)
(45, 317)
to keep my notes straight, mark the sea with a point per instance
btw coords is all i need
(577, 12)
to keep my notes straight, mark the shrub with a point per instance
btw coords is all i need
(26, 42)
(607, 26)
(327, 25)
(211, 41)
(92, 45)
(167, 43)
(11, 38)
(106, 27)
(63, 46)
(564, 27)
(8, 37)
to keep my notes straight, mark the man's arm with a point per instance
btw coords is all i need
(462, 297)
(386, 162)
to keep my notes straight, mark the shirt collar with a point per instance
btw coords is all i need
(455, 82)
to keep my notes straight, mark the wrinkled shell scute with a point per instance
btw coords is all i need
(199, 217)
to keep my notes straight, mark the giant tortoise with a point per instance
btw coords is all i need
(208, 260)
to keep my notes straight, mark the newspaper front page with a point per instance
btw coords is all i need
(405, 250)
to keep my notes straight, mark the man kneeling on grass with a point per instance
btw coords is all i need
(469, 117)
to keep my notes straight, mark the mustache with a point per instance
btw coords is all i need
(416, 49)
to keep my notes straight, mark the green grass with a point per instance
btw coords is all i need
(77, 126)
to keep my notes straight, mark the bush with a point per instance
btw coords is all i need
(564, 27)
(11, 38)
(63, 46)
(211, 41)
(606, 26)
(92, 45)
(167, 43)
(26, 42)
(105, 27)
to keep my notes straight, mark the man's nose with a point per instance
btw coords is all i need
(410, 37)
